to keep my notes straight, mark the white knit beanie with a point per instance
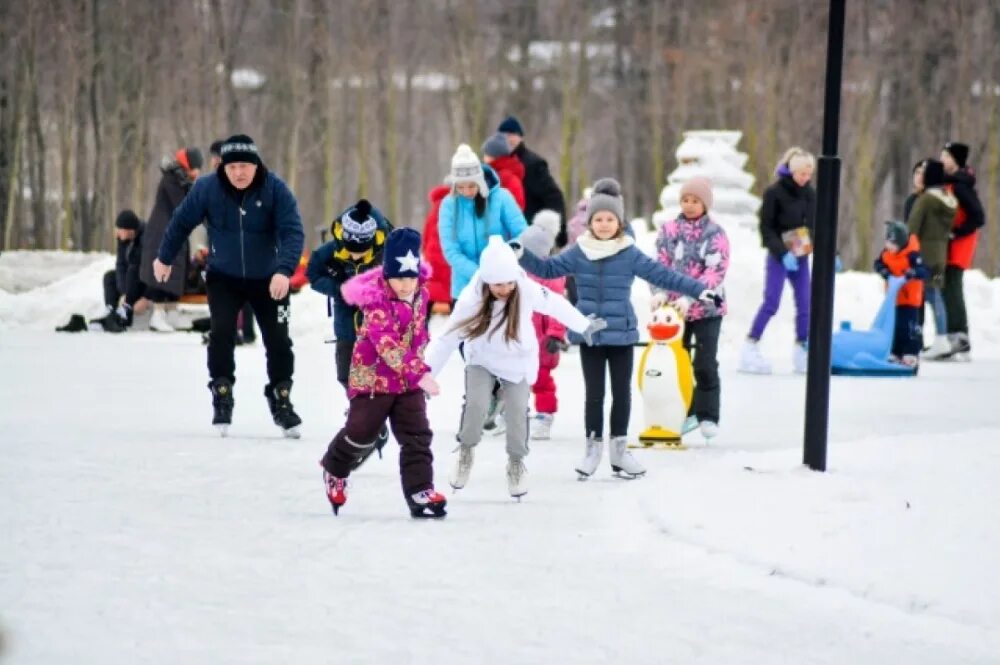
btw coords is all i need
(465, 167)
(498, 263)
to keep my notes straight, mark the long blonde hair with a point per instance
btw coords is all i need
(478, 324)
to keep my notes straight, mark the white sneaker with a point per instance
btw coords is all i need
(177, 320)
(463, 467)
(622, 461)
(541, 427)
(709, 430)
(591, 458)
(751, 359)
(158, 321)
(800, 358)
(517, 477)
(941, 348)
(690, 424)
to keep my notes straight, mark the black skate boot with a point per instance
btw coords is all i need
(222, 404)
(281, 408)
(427, 504)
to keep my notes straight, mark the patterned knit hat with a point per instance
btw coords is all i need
(401, 256)
(358, 225)
(466, 167)
(240, 148)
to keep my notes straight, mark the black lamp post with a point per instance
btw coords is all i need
(824, 256)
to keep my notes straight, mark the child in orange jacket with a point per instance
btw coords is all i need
(901, 258)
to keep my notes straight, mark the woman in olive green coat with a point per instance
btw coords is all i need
(930, 221)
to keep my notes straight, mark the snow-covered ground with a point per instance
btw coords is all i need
(133, 534)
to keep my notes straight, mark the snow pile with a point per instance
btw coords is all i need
(22, 271)
(712, 154)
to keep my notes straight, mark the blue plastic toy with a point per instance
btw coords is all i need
(866, 352)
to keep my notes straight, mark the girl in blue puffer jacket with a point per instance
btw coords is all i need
(477, 208)
(605, 262)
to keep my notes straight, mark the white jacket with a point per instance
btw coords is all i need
(515, 361)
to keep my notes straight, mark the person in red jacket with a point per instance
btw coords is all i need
(496, 153)
(439, 283)
(901, 258)
(961, 182)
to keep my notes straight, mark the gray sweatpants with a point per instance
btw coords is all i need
(478, 392)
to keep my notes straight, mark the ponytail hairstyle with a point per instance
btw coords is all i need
(478, 324)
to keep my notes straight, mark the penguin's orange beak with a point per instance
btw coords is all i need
(663, 331)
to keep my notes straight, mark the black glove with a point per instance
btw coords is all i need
(554, 345)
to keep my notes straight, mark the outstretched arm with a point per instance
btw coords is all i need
(550, 268)
(665, 278)
(552, 304)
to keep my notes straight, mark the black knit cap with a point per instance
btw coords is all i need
(239, 148)
(194, 158)
(127, 220)
(959, 151)
(933, 174)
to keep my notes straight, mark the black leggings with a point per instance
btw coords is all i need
(701, 339)
(618, 360)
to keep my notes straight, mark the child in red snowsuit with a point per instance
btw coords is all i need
(551, 334)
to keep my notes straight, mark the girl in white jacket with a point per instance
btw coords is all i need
(492, 321)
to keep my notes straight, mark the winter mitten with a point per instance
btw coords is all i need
(790, 262)
(710, 297)
(658, 300)
(554, 345)
(596, 325)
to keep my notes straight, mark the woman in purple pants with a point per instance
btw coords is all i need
(787, 219)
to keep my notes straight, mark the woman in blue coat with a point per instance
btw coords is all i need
(477, 208)
(605, 262)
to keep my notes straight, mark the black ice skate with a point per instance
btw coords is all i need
(222, 404)
(427, 504)
(281, 408)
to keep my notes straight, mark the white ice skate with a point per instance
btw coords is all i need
(709, 430)
(591, 458)
(751, 359)
(463, 467)
(541, 427)
(517, 478)
(800, 358)
(622, 462)
(158, 321)
(941, 349)
(176, 320)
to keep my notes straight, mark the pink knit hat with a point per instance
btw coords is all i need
(701, 187)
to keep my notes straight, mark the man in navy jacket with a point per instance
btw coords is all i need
(255, 242)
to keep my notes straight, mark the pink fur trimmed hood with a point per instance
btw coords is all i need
(370, 286)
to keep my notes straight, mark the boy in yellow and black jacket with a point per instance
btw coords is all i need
(359, 235)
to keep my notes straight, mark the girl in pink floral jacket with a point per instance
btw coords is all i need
(698, 247)
(388, 377)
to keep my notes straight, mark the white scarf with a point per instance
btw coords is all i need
(595, 249)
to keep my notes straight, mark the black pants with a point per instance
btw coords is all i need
(908, 335)
(701, 339)
(954, 300)
(226, 296)
(246, 324)
(407, 414)
(111, 292)
(618, 360)
(160, 296)
(343, 353)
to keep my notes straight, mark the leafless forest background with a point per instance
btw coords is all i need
(370, 97)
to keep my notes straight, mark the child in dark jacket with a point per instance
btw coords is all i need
(359, 235)
(901, 258)
(605, 262)
(389, 377)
